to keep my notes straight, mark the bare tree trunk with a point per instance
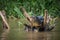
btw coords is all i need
(4, 19)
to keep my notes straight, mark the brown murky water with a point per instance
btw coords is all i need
(43, 36)
(16, 34)
(22, 35)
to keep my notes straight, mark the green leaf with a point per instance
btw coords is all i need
(16, 9)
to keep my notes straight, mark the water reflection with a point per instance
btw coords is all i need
(42, 36)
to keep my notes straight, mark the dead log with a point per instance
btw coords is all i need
(25, 14)
(45, 17)
(4, 19)
(32, 21)
(4, 25)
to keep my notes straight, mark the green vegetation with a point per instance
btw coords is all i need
(16, 32)
(33, 7)
(58, 24)
(0, 26)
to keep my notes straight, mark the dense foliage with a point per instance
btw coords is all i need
(33, 7)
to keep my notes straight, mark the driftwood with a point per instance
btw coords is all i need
(3, 16)
(26, 14)
(45, 17)
(35, 23)
(32, 21)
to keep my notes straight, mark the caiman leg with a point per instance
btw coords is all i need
(27, 27)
